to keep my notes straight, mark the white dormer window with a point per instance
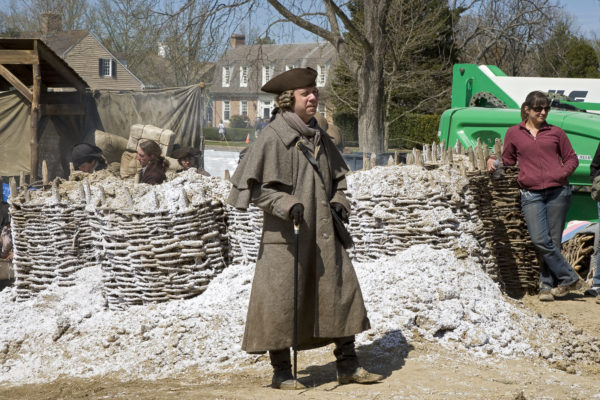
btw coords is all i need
(226, 76)
(289, 66)
(106, 67)
(267, 73)
(322, 75)
(243, 76)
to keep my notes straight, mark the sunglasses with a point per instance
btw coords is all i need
(539, 109)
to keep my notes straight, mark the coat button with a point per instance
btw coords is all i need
(325, 235)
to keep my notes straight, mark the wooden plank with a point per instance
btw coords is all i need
(61, 68)
(13, 80)
(18, 57)
(63, 109)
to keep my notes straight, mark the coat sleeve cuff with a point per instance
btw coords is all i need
(284, 205)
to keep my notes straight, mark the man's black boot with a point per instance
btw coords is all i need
(282, 371)
(347, 365)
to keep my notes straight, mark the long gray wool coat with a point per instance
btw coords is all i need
(275, 175)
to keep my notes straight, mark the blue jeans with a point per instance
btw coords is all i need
(545, 212)
(596, 279)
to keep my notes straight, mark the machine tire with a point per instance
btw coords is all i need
(486, 99)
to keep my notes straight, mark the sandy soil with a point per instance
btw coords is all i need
(421, 370)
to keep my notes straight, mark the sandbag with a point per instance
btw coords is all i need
(112, 145)
(129, 164)
(140, 133)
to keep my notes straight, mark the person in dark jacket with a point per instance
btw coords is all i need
(546, 160)
(187, 157)
(595, 289)
(87, 158)
(154, 165)
(294, 173)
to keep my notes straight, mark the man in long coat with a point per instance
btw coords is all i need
(295, 174)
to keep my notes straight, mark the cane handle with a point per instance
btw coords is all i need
(296, 228)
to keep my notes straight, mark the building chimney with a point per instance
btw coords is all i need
(238, 39)
(51, 23)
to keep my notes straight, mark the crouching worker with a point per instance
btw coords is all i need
(187, 157)
(87, 158)
(294, 173)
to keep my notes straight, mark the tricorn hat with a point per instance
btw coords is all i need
(84, 152)
(295, 78)
(183, 152)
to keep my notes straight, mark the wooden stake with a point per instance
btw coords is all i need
(45, 180)
(373, 162)
(13, 187)
(365, 162)
(227, 176)
(22, 181)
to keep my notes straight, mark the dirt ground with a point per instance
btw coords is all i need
(422, 370)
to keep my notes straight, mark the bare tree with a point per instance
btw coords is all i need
(330, 20)
(26, 15)
(506, 33)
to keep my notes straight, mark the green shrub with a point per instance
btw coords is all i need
(348, 125)
(232, 134)
(239, 121)
(413, 130)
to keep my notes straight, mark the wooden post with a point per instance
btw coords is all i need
(184, 199)
(71, 168)
(45, 179)
(13, 187)
(410, 159)
(471, 153)
(498, 148)
(450, 156)
(418, 157)
(35, 116)
(458, 147)
(434, 152)
(365, 162)
(129, 198)
(427, 153)
(227, 175)
(396, 157)
(22, 182)
(373, 162)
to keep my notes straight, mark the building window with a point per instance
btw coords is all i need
(226, 110)
(106, 67)
(244, 107)
(322, 75)
(267, 73)
(226, 76)
(243, 76)
(289, 66)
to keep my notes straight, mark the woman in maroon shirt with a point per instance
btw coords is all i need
(153, 163)
(546, 160)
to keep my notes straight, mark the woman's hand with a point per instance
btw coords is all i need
(491, 164)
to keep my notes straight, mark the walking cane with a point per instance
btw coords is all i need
(295, 338)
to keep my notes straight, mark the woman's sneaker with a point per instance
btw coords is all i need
(563, 290)
(593, 291)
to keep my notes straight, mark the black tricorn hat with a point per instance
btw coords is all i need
(295, 78)
(184, 151)
(83, 152)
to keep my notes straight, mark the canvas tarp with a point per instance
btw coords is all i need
(14, 134)
(177, 109)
